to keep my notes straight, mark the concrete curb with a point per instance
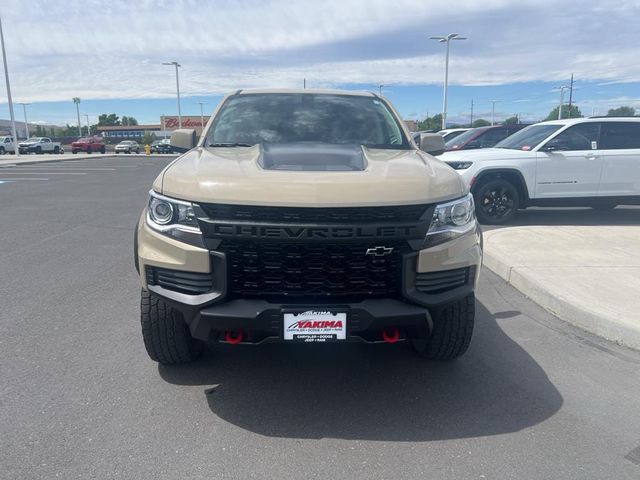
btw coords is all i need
(575, 314)
(29, 159)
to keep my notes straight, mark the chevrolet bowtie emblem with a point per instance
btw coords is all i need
(379, 251)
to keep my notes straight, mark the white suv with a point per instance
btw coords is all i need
(579, 162)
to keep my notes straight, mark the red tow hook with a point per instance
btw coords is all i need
(233, 340)
(391, 337)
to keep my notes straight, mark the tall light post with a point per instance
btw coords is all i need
(6, 77)
(562, 89)
(447, 40)
(26, 125)
(177, 65)
(202, 113)
(76, 100)
(493, 110)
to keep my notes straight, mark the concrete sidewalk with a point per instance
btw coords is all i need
(588, 276)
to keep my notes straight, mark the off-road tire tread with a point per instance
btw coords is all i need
(452, 330)
(166, 336)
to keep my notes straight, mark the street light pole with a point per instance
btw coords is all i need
(26, 125)
(16, 150)
(76, 100)
(201, 113)
(177, 65)
(447, 40)
(493, 110)
(562, 89)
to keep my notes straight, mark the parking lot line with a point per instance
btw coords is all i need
(16, 172)
(12, 179)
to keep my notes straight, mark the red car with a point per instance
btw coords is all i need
(88, 145)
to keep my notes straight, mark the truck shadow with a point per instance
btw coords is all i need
(375, 392)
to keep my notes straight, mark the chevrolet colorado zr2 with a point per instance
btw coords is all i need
(307, 216)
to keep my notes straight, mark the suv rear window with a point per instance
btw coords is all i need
(619, 135)
(304, 117)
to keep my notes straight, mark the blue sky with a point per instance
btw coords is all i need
(517, 53)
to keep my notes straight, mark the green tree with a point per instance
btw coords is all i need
(573, 112)
(622, 112)
(148, 138)
(511, 121)
(129, 120)
(480, 122)
(109, 120)
(431, 123)
(39, 131)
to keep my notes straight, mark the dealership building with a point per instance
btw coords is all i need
(168, 123)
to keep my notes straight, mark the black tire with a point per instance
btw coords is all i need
(2, 152)
(56, 150)
(88, 149)
(103, 150)
(497, 201)
(38, 150)
(117, 152)
(137, 150)
(452, 331)
(165, 334)
(74, 152)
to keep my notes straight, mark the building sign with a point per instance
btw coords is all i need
(193, 121)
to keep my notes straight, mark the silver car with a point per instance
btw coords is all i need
(128, 146)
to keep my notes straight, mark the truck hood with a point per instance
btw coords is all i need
(239, 175)
(485, 154)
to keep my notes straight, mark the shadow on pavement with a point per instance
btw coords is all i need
(625, 215)
(374, 392)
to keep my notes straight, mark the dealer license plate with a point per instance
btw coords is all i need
(315, 326)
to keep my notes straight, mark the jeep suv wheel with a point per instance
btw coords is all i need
(452, 330)
(497, 201)
(165, 334)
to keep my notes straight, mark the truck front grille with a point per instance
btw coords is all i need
(311, 269)
(307, 215)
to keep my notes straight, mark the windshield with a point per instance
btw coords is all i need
(301, 117)
(528, 138)
(463, 138)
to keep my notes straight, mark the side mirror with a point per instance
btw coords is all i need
(183, 140)
(432, 143)
(555, 144)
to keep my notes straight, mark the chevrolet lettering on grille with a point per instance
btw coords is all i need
(215, 229)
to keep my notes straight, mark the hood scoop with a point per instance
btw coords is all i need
(314, 157)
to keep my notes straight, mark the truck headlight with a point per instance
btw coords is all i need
(451, 220)
(174, 218)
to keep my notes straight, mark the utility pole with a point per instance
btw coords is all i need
(6, 77)
(493, 110)
(570, 93)
(304, 83)
(76, 100)
(26, 124)
(447, 40)
(471, 117)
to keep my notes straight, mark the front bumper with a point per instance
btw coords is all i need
(210, 315)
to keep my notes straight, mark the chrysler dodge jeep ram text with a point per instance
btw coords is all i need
(307, 216)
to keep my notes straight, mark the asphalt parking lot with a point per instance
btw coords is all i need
(533, 397)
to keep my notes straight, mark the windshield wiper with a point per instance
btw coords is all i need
(230, 145)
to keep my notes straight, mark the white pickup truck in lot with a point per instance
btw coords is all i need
(7, 145)
(40, 145)
(590, 162)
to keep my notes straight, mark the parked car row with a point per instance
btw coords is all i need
(591, 162)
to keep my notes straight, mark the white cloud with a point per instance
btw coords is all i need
(113, 49)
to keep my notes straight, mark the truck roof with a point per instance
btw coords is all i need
(305, 90)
